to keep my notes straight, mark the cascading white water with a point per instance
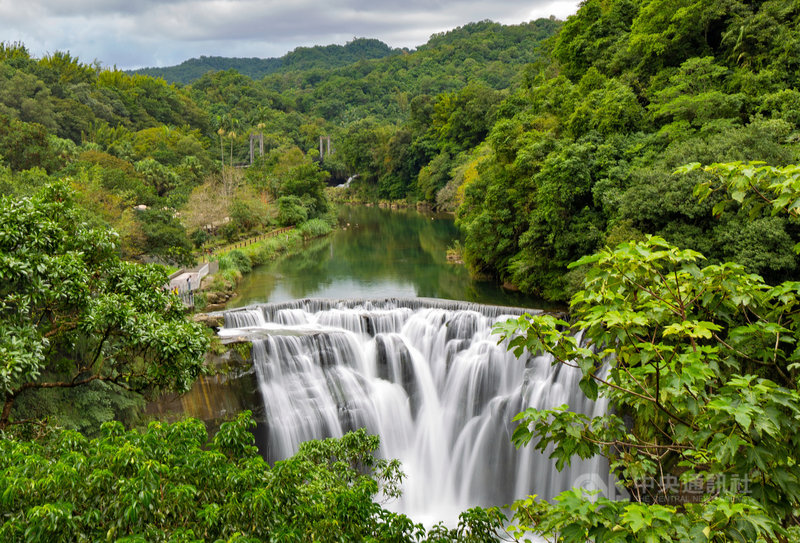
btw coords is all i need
(427, 376)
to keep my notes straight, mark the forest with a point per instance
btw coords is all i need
(635, 160)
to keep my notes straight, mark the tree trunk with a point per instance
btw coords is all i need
(6, 414)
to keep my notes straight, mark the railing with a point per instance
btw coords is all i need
(251, 241)
(185, 289)
(187, 296)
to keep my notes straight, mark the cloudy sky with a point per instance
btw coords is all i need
(138, 33)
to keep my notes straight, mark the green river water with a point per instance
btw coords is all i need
(377, 253)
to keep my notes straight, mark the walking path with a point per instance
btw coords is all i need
(185, 282)
(245, 243)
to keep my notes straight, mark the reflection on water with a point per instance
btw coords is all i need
(376, 253)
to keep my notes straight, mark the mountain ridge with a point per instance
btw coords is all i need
(300, 58)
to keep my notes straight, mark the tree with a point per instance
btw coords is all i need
(755, 185)
(26, 145)
(695, 95)
(165, 236)
(71, 312)
(286, 171)
(206, 206)
(701, 366)
(161, 178)
(171, 483)
(291, 211)
(247, 210)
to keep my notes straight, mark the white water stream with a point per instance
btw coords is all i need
(427, 376)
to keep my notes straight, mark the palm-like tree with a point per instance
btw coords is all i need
(233, 123)
(221, 133)
(232, 136)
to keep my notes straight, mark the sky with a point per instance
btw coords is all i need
(138, 33)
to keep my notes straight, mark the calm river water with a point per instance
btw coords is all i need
(376, 253)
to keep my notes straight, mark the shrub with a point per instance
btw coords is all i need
(291, 211)
(229, 231)
(172, 483)
(199, 237)
(240, 261)
(314, 228)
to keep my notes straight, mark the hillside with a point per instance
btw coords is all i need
(374, 106)
(301, 58)
(584, 154)
(548, 139)
(485, 53)
(135, 140)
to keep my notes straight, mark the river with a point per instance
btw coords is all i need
(377, 253)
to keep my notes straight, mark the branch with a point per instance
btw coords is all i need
(10, 398)
(758, 192)
(671, 306)
(100, 346)
(755, 360)
(66, 326)
(650, 399)
(37, 422)
(645, 446)
(70, 384)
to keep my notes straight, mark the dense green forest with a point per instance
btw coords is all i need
(130, 142)
(586, 154)
(560, 146)
(547, 146)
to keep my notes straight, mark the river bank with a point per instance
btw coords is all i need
(374, 253)
(239, 260)
(353, 196)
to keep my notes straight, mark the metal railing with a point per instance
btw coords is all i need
(250, 241)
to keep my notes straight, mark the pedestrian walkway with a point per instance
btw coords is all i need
(186, 281)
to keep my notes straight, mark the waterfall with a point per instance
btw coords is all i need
(426, 375)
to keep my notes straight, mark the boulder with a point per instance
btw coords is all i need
(212, 320)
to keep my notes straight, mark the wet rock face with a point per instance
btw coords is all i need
(211, 320)
(214, 297)
(229, 388)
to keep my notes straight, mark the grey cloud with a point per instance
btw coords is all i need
(137, 33)
(73, 8)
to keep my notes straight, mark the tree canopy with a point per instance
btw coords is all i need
(72, 312)
(171, 483)
(700, 364)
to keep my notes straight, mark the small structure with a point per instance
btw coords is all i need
(323, 139)
(253, 138)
